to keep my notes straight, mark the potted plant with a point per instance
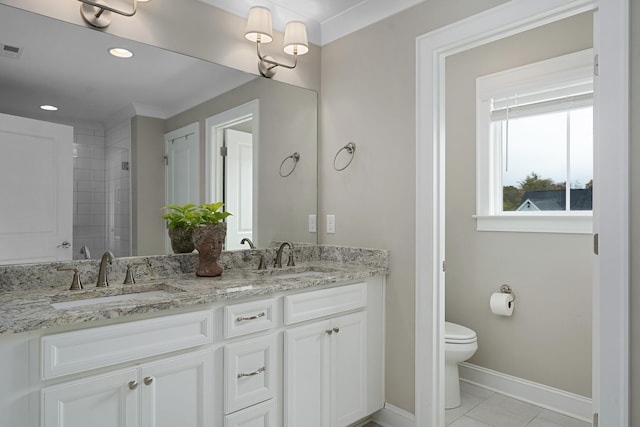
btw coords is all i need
(181, 221)
(208, 238)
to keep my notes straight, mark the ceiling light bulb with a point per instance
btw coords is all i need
(120, 52)
(49, 107)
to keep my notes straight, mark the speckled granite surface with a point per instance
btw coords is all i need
(27, 291)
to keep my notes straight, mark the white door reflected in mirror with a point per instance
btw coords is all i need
(238, 183)
(36, 166)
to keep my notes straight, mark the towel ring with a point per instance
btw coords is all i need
(350, 148)
(295, 156)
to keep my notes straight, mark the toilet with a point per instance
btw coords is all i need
(460, 343)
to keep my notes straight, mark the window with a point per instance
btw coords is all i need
(535, 147)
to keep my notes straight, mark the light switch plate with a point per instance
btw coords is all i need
(313, 223)
(331, 224)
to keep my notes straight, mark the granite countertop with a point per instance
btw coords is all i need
(29, 307)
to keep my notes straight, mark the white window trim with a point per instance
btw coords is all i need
(576, 68)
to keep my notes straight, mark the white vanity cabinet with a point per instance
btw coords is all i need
(166, 393)
(332, 366)
(296, 358)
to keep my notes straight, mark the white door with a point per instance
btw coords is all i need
(99, 401)
(36, 190)
(239, 186)
(348, 369)
(182, 178)
(307, 379)
(177, 391)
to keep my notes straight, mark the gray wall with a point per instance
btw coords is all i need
(147, 184)
(548, 339)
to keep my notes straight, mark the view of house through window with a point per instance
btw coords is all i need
(547, 157)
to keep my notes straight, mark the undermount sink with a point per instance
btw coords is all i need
(297, 272)
(92, 296)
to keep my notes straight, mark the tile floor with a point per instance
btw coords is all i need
(484, 408)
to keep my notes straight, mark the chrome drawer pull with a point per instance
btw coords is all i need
(257, 316)
(250, 374)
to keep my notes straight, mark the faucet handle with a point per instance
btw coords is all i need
(290, 262)
(129, 277)
(76, 283)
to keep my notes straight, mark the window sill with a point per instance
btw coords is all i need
(580, 223)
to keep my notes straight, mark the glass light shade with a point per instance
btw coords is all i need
(295, 38)
(259, 25)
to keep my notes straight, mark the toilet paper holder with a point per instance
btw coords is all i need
(506, 289)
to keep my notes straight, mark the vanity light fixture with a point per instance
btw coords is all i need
(49, 107)
(98, 12)
(259, 30)
(120, 52)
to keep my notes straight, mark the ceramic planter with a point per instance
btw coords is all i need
(208, 240)
(181, 240)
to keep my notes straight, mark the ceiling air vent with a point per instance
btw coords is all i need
(10, 51)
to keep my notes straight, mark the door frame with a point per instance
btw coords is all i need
(214, 128)
(611, 213)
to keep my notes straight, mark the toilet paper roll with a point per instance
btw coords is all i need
(501, 304)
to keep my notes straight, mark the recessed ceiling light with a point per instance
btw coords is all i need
(120, 52)
(49, 107)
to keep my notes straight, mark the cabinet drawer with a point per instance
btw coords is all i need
(325, 302)
(248, 317)
(249, 372)
(260, 415)
(78, 351)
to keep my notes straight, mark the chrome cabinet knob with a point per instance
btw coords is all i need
(133, 385)
(148, 380)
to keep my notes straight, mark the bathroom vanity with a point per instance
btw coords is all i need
(296, 346)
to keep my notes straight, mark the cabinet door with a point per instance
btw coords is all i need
(178, 391)
(348, 369)
(98, 401)
(306, 375)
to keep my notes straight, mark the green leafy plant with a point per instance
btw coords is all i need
(190, 215)
(186, 216)
(210, 213)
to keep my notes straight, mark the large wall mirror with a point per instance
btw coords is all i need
(123, 114)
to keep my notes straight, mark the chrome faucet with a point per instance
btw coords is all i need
(103, 280)
(277, 263)
(247, 240)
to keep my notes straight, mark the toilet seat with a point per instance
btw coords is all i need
(458, 334)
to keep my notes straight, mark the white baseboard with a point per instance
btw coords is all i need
(556, 400)
(392, 416)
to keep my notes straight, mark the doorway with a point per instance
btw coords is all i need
(231, 158)
(610, 359)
